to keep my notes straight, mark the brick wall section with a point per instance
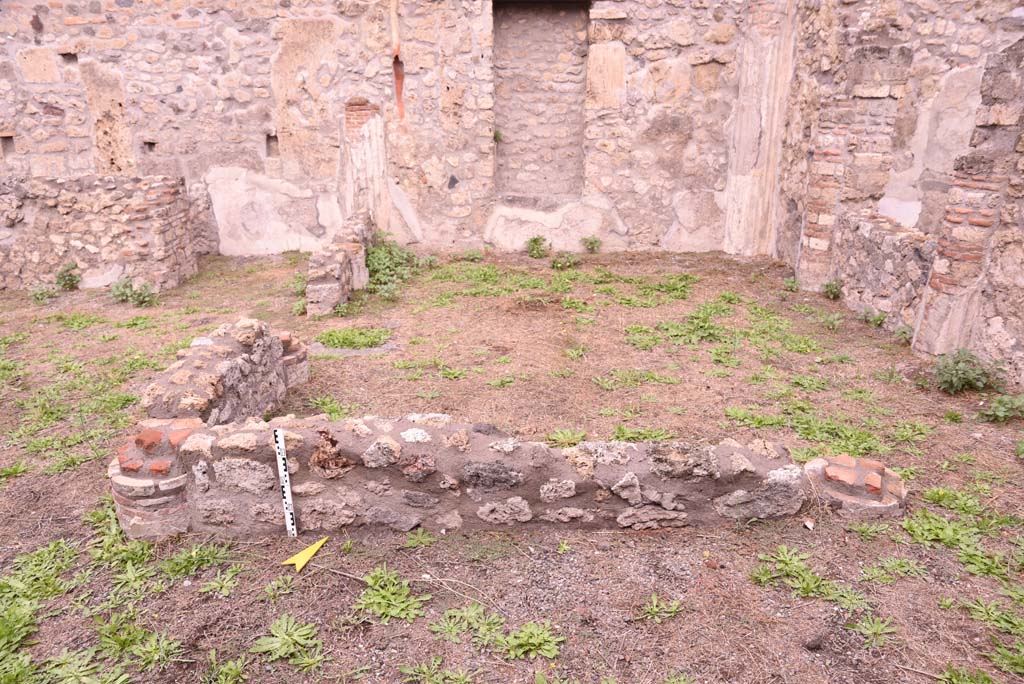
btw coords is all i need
(358, 113)
(540, 53)
(111, 227)
(876, 115)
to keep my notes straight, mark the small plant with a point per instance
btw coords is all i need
(298, 284)
(576, 353)
(875, 630)
(563, 261)
(563, 547)
(679, 678)
(952, 416)
(390, 265)
(227, 672)
(869, 531)
(642, 337)
(299, 308)
(125, 291)
(41, 295)
(1003, 408)
(156, 651)
(537, 247)
(16, 469)
(486, 628)
(419, 539)
(354, 338)
(565, 437)
(954, 675)
(875, 318)
(502, 382)
(431, 672)
(471, 255)
(224, 582)
(388, 596)
(833, 289)
(1018, 450)
(289, 639)
(451, 373)
(623, 433)
(790, 284)
(334, 409)
(889, 570)
(285, 584)
(830, 321)
(498, 137)
(532, 640)
(904, 334)
(591, 243)
(68, 277)
(121, 291)
(962, 370)
(657, 611)
(188, 562)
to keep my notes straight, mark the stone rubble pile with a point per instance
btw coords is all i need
(236, 371)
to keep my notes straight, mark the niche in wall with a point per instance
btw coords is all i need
(540, 81)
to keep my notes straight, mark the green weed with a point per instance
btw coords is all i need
(388, 596)
(565, 437)
(657, 611)
(537, 247)
(354, 338)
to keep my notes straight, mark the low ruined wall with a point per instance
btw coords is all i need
(236, 371)
(427, 470)
(111, 228)
(204, 461)
(884, 267)
(333, 274)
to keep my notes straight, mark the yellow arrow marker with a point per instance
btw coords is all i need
(300, 559)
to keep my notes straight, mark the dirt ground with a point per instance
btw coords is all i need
(509, 346)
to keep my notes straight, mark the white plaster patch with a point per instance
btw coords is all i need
(257, 214)
(414, 435)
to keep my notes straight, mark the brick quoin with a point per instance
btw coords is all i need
(161, 467)
(148, 439)
(176, 437)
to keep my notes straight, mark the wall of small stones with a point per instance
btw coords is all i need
(238, 370)
(248, 102)
(110, 228)
(904, 173)
(205, 460)
(540, 72)
(426, 470)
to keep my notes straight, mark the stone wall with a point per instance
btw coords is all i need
(755, 127)
(540, 55)
(205, 460)
(426, 470)
(236, 371)
(110, 228)
(904, 173)
(674, 108)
